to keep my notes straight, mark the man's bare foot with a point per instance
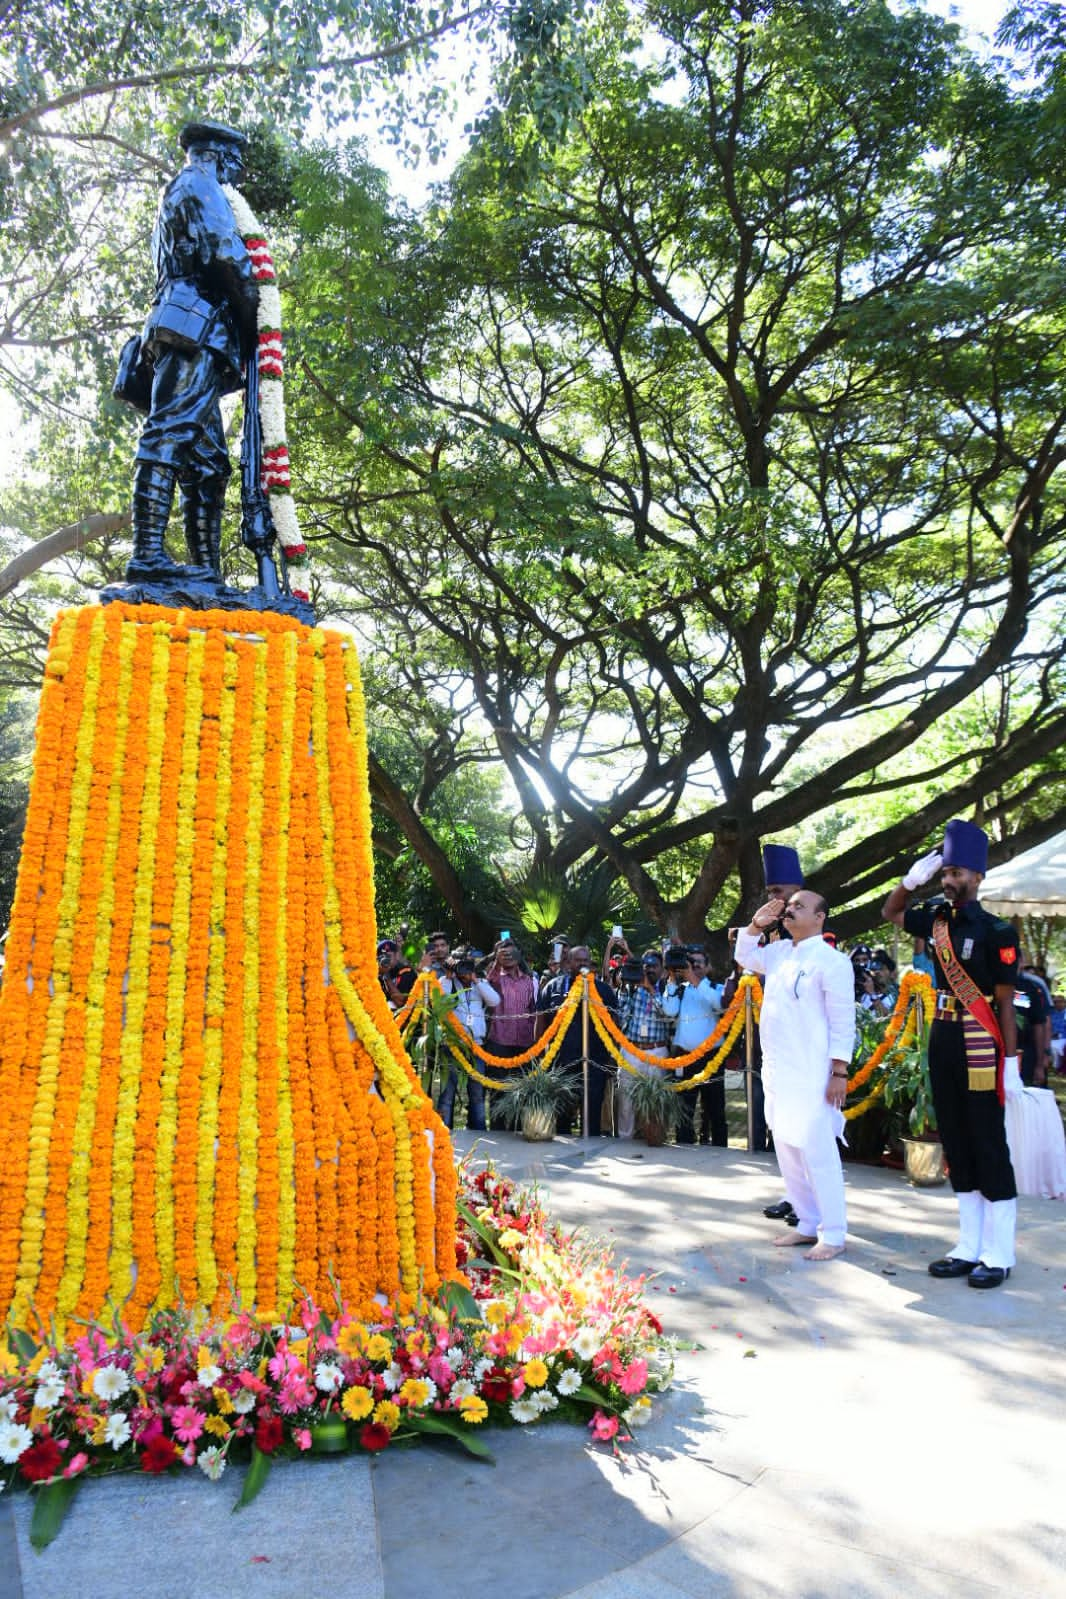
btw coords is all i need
(824, 1252)
(789, 1240)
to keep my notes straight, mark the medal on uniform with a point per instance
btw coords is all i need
(967, 948)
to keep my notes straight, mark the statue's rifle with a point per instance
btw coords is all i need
(258, 533)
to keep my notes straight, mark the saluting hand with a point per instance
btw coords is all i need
(768, 914)
(923, 870)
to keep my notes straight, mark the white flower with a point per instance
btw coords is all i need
(243, 1401)
(585, 1344)
(456, 1356)
(392, 1377)
(117, 1431)
(569, 1382)
(49, 1393)
(463, 1389)
(47, 1371)
(524, 1410)
(14, 1438)
(207, 1376)
(328, 1376)
(8, 1407)
(212, 1462)
(482, 1369)
(110, 1382)
(544, 1400)
(637, 1415)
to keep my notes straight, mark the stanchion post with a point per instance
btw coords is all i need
(749, 1063)
(585, 1053)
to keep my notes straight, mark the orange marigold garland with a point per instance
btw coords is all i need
(202, 1078)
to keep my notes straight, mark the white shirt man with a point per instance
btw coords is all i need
(807, 1027)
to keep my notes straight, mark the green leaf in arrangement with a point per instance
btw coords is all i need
(458, 1432)
(458, 1301)
(255, 1477)
(53, 1502)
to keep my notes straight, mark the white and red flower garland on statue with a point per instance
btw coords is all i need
(276, 479)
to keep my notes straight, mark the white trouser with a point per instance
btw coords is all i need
(624, 1123)
(814, 1182)
(986, 1229)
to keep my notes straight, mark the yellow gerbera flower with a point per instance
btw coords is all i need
(535, 1372)
(387, 1414)
(357, 1403)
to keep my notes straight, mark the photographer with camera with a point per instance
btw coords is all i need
(644, 1022)
(395, 976)
(695, 1005)
(571, 1054)
(474, 996)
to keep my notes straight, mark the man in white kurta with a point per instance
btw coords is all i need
(807, 1027)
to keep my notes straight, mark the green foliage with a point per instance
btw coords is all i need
(539, 1093)
(695, 450)
(908, 1090)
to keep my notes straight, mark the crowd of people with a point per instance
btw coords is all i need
(664, 1001)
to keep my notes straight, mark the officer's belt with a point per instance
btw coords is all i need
(950, 1009)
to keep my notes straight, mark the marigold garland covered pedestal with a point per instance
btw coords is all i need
(203, 1085)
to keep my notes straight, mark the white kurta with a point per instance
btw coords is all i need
(807, 1021)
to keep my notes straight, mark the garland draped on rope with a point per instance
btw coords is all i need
(203, 1084)
(916, 995)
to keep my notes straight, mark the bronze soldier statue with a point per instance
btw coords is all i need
(201, 331)
(201, 328)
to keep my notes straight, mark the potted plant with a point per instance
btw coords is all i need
(909, 1093)
(536, 1100)
(656, 1107)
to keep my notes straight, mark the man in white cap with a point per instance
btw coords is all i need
(973, 1051)
(808, 1038)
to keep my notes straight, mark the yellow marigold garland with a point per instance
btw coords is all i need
(202, 1077)
(915, 988)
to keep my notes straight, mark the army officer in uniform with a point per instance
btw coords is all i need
(973, 1058)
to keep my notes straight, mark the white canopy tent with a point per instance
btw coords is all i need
(1033, 884)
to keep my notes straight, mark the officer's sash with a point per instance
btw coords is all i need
(984, 1041)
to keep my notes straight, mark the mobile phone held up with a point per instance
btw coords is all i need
(504, 936)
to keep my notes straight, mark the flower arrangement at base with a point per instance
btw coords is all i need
(550, 1327)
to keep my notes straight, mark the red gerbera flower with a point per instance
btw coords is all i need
(158, 1454)
(42, 1460)
(375, 1436)
(496, 1387)
(269, 1434)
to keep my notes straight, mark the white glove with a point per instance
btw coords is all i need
(923, 870)
(1013, 1087)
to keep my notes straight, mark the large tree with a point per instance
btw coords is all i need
(711, 454)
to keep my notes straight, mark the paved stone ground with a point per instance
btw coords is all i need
(853, 1428)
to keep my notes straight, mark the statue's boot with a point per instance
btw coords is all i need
(153, 495)
(202, 504)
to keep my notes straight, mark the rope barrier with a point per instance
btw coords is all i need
(914, 1006)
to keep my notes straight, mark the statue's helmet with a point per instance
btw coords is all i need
(213, 136)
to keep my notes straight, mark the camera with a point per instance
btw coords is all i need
(631, 972)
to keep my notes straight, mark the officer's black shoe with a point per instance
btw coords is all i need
(779, 1211)
(951, 1266)
(984, 1276)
